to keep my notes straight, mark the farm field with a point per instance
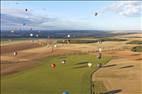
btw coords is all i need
(32, 64)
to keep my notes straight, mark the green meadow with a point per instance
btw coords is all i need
(74, 76)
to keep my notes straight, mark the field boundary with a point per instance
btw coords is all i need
(92, 86)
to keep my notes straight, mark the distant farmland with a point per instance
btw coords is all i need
(57, 33)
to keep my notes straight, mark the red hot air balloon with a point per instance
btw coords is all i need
(53, 66)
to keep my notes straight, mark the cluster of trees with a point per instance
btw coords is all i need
(137, 49)
(135, 42)
(90, 40)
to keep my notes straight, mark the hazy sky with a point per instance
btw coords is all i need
(112, 15)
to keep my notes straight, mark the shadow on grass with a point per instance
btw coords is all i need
(129, 66)
(109, 65)
(135, 54)
(112, 91)
(62, 57)
(8, 62)
(139, 59)
(80, 63)
(79, 67)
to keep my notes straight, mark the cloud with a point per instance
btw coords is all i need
(15, 18)
(126, 8)
(9, 22)
(16, 12)
(66, 24)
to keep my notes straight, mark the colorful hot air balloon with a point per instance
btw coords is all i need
(65, 92)
(53, 66)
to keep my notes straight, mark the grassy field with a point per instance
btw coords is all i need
(74, 76)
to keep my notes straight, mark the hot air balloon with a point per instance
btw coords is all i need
(89, 64)
(65, 92)
(68, 36)
(53, 66)
(31, 35)
(63, 61)
(24, 24)
(99, 65)
(100, 50)
(96, 13)
(99, 55)
(37, 35)
(15, 53)
(12, 31)
(55, 45)
(31, 29)
(26, 9)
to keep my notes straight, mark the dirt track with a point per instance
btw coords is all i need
(19, 46)
(122, 73)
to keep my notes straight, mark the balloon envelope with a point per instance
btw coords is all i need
(12, 31)
(55, 46)
(89, 64)
(53, 65)
(65, 92)
(31, 34)
(68, 36)
(37, 35)
(96, 13)
(100, 49)
(14, 53)
(26, 9)
(63, 62)
(24, 24)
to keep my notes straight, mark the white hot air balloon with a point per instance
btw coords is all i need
(31, 35)
(89, 64)
(68, 36)
(55, 45)
(100, 50)
(37, 35)
(12, 31)
(63, 61)
(15, 53)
